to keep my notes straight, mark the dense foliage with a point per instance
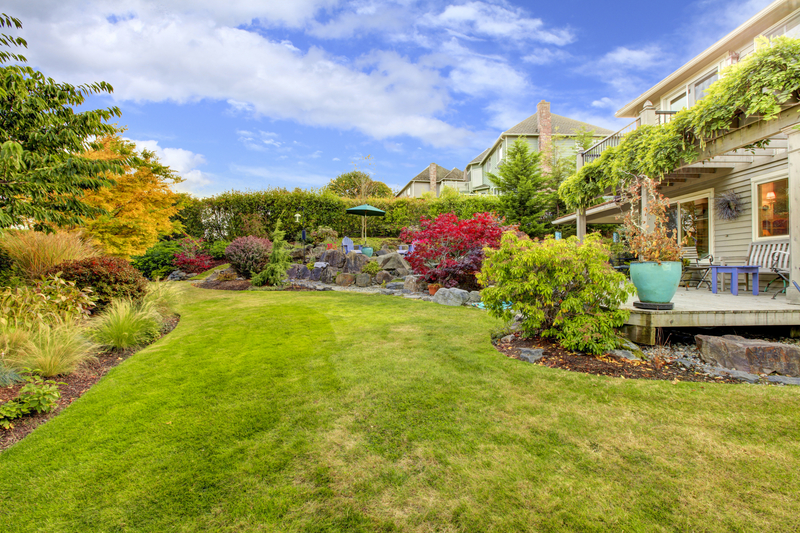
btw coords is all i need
(36, 396)
(248, 255)
(759, 85)
(527, 195)
(159, 260)
(562, 289)
(358, 184)
(449, 251)
(275, 270)
(192, 258)
(33, 252)
(51, 300)
(109, 277)
(650, 238)
(42, 175)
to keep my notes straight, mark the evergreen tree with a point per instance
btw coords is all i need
(526, 194)
(279, 262)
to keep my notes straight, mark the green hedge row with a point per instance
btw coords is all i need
(224, 216)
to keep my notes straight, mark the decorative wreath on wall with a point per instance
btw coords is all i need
(728, 205)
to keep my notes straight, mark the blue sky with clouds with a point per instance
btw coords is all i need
(249, 94)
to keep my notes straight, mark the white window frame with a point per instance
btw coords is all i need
(705, 193)
(690, 98)
(754, 183)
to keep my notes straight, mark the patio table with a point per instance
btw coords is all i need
(734, 271)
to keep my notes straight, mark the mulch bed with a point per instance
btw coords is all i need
(74, 386)
(555, 356)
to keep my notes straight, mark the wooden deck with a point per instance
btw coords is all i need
(701, 308)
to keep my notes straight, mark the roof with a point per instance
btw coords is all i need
(736, 39)
(442, 174)
(530, 126)
(561, 126)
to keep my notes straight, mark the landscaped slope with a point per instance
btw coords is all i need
(275, 411)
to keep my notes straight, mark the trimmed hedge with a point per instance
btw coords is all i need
(220, 217)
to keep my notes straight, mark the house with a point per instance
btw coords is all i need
(766, 181)
(538, 131)
(433, 178)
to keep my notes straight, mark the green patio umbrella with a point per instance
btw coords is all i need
(365, 210)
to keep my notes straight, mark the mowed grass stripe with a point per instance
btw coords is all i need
(345, 412)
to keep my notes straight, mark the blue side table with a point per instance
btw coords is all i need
(734, 271)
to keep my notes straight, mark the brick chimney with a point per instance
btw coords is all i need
(545, 134)
(432, 177)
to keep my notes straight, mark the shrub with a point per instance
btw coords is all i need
(158, 261)
(371, 268)
(52, 300)
(448, 251)
(52, 350)
(562, 289)
(275, 271)
(248, 255)
(324, 233)
(35, 253)
(191, 258)
(163, 296)
(8, 376)
(109, 277)
(216, 249)
(125, 324)
(37, 395)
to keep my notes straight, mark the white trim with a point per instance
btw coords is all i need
(754, 183)
(705, 193)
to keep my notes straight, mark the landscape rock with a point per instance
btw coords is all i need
(178, 275)
(412, 296)
(345, 279)
(393, 261)
(402, 272)
(453, 297)
(316, 274)
(354, 262)
(381, 252)
(297, 254)
(383, 277)
(411, 284)
(783, 380)
(749, 355)
(328, 275)
(334, 258)
(291, 272)
(474, 297)
(387, 292)
(395, 285)
(507, 339)
(303, 272)
(363, 280)
(531, 355)
(625, 354)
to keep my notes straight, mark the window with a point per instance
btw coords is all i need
(701, 86)
(678, 102)
(691, 218)
(772, 208)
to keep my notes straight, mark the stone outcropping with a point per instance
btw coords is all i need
(454, 297)
(178, 275)
(345, 279)
(363, 280)
(383, 277)
(412, 284)
(355, 262)
(749, 355)
(393, 261)
(334, 258)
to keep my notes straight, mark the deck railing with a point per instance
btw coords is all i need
(664, 117)
(612, 140)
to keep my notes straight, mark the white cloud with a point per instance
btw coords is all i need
(336, 159)
(546, 56)
(605, 102)
(288, 176)
(184, 162)
(316, 154)
(259, 141)
(628, 58)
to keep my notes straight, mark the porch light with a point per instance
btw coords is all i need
(297, 217)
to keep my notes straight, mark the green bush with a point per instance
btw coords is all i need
(52, 300)
(125, 324)
(159, 261)
(216, 249)
(37, 395)
(109, 277)
(562, 289)
(275, 271)
(371, 268)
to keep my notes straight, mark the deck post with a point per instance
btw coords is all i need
(580, 220)
(793, 133)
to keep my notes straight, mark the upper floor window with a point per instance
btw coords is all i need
(678, 102)
(702, 85)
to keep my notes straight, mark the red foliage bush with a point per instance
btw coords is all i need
(109, 277)
(248, 255)
(449, 251)
(192, 258)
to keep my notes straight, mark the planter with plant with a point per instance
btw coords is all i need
(657, 273)
(433, 288)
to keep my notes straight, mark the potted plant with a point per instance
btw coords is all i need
(433, 287)
(657, 273)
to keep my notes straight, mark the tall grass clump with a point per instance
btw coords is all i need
(34, 252)
(125, 324)
(164, 296)
(49, 349)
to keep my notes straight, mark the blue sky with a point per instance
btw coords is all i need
(250, 94)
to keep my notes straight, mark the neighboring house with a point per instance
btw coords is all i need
(434, 178)
(538, 131)
(766, 180)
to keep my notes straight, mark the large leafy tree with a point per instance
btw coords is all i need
(358, 184)
(527, 195)
(140, 207)
(43, 178)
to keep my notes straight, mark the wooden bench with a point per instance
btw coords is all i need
(772, 257)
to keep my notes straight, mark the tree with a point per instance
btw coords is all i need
(279, 262)
(526, 193)
(138, 209)
(358, 184)
(42, 176)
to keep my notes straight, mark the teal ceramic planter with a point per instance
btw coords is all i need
(366, 250)
(656, 283)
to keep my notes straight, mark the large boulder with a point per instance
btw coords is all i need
(345, 279)
(749, 355)
(402, 272)
(303, 272)
(291, 272)
(383, 277)
(328, 275)
(178, 275)
(412, 284)
(297, 254)
(355, 262)
(474, 297)
(335, 258)
(393, 261)
(363, 280)
(316, 274)
(454, 297)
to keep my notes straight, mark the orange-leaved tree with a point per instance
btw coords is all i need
(139, 207)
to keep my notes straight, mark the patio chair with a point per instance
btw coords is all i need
(402, 249)
(780, 266)
(697, 264)
(347, 245)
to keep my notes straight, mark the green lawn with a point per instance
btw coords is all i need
(273, 411)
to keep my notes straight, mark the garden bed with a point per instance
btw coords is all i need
(71, 388)
(605, 365)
